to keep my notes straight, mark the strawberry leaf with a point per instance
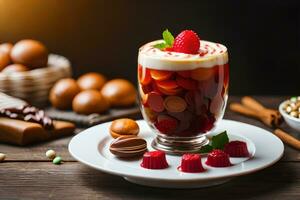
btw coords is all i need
(219, 141)
(168, 37)
(206, 149)
(161, 45)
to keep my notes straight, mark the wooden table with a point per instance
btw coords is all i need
(27, 174)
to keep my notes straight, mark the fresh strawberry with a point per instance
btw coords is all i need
(186, 42)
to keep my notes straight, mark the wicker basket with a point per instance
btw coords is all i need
(34, 86)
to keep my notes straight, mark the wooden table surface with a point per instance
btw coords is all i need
(27, 174)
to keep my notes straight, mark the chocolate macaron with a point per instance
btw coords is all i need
(128, 146)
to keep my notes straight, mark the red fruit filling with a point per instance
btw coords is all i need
(154, 160)
(144, 75)
(166, 124)
(218, 158)
(191, 163)
(184, 74)
(202, 92)
(186, 83)
(187, 42)
(155, 101)
(160, 74)
(237, 149)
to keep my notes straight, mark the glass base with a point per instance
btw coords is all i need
(179, 145)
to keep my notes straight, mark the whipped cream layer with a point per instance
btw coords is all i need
(210, 54)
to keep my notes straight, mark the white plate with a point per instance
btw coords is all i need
(91, 147)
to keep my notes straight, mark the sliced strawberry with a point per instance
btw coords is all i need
(166, 124)
(170, 91)
(168, 87)
(155, 88)
(155, 101)
(202, 74)
(167, 84)
(147, 88)
(144, 75)
(184, 74)
(186, 83)
(160, 74)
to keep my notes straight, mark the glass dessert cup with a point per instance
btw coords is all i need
(182, 104)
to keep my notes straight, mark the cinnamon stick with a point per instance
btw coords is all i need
(287, 138)
(264, 117)
(255, 105)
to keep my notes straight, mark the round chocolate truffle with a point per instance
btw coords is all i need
(63, 93)
(6, 47)
(91, 81)
(4, 60)
(119, 92)
(30, 53)
(14, 68)
(90, 101)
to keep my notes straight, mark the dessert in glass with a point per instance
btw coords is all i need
(182, 94)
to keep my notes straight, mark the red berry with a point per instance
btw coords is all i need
(187, 42)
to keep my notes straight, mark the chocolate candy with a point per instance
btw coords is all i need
(119, 92)
(91, 81)
(124, 126)
(14, 68)
(19, 132)
(63, 93)
(90, 101)
(30, 53)
(175, 104)
(29, 114)
(128, 146)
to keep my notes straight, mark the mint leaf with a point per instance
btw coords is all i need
(168, 37)
(206, 149)
(161, 45)
(219, 141)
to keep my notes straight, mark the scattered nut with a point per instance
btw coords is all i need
(2, 157)
(51, 154)
(292, 107)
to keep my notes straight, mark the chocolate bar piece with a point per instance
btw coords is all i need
(19, 132)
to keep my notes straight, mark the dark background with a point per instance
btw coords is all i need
(101, 35)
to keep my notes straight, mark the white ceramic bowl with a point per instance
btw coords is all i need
(291, 121)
